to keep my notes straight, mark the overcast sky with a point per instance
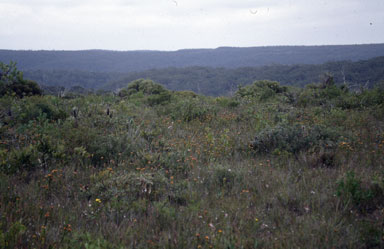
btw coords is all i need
(178, 24)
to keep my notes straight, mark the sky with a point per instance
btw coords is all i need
(182, 24)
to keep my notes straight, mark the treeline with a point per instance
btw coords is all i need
(219, 81)
(68, 79)
(222, 81)
(228, 57)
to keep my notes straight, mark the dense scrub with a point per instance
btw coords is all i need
(270, 167)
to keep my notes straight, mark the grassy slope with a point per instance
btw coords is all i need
(181, 174)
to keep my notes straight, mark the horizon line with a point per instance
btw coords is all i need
(182, 49)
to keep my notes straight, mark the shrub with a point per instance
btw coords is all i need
(147, 87)
(294, 138)
(227, 102)
(224, 177)
(191, 109)
(25, 158)
(12, 82)
(87, 241)
(12, 237)
(159, 99)
(261, 90)
(107, 147)
(365, 199)
(36, 107)
(128, 187)
(155, 93)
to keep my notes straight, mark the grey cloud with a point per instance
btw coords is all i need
(164, 24)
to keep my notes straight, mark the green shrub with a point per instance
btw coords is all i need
(165, 214)
(13, 84)
(21, 159)
(294, 138)
(372, 97)
(223, 177)
(191, 109)
(371, 234)
(159, 99)
(365, 199)
(227, 102)
(128, 187)
(86, 241)
(153, 93)
(104, 148)
(12, 238)
(147, 87)
(261, 90)
(35, 107)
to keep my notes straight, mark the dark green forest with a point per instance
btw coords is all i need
(227, 57)
(221, 81)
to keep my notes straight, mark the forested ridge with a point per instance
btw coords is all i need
(228, 57)
(220, 81)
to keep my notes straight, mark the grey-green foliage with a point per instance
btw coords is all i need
(261, 90)
(129, 187)
(294, 138)
(155, 93)
(191, 109)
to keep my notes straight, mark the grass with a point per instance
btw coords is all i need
(130, 172)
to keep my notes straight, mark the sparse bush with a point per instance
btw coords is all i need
(128, 187)
(227, 102)
(191, 109)
(36, 107)
(223, 177)
(86, 241)
(154, 93)
(159, 99)
(22, 159)
(147, 87)
(176, 173)
(165, 214)
(261, 90)
(371, 234)
(365, 199)
(294, 138)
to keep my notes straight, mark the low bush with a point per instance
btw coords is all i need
(294, 138)
(261, 90)
(191, 109)
(365, 199)
(19, 160)
(36, 107)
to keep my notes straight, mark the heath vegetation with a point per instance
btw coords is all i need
(270, 167)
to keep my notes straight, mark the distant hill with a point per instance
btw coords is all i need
(219, 81)
(224, 81)
(226, 57)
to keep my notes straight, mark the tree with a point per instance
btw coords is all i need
(12, 82)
